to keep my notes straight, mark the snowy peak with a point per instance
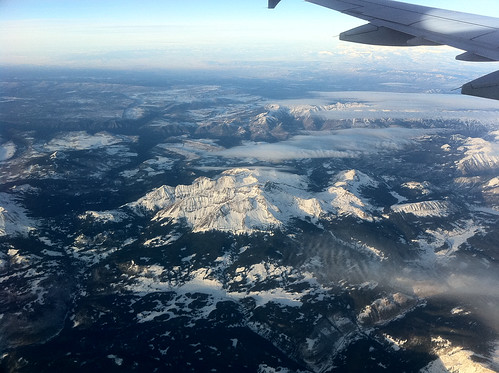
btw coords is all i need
(269, 116)
(157, 199)
(345, 194)
(274, 123)
(354, 180)
(480, 154)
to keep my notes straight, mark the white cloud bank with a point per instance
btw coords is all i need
(397, 105)
(352, 142)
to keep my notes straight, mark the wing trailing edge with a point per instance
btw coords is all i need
(381, 35)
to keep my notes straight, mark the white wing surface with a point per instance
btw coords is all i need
(396, 23)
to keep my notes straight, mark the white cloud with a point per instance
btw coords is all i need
(396, 105)
(346, 143)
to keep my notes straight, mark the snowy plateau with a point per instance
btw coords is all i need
(199, 227)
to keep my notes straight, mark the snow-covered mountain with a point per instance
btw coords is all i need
(248, 200)
(480, 154)
(346, 193)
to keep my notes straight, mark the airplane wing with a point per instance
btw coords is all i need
(396, 23)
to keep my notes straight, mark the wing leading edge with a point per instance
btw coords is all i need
(395, 23)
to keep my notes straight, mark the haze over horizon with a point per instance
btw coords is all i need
(220, 35)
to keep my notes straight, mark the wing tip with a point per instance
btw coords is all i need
(273, 3)
(487, 87)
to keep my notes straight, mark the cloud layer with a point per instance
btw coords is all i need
(352, 142)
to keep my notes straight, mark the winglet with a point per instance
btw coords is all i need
(273, 3)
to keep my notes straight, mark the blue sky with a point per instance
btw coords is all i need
(183, 33)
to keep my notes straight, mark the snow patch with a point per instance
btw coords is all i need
(161, 240)
(453, 359)
(264, 368)
(459, 311)
(395, 343)
(425, 208)
(451, 240)
(117, 360)
(7, 151)
(155, 278)
(417, 186)
(133, 113)
(81, 140)
(13, 217)
(103, 216)
(446, 147)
